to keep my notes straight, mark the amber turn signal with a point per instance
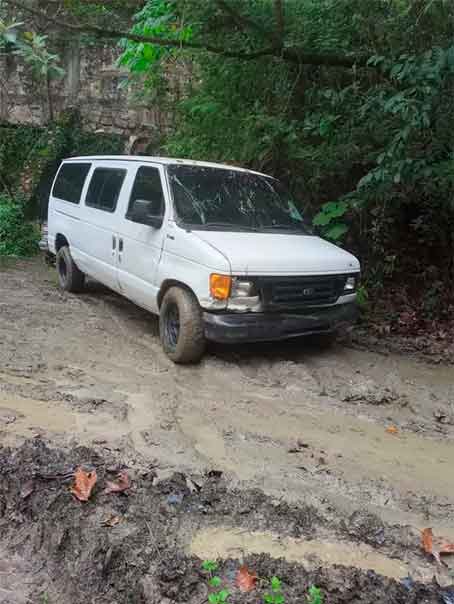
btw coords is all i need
(220, 286)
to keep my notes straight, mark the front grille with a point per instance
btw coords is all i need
(298, 292)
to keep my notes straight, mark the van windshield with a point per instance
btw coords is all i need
(208, 198)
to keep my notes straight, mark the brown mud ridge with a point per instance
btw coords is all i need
(55, 549)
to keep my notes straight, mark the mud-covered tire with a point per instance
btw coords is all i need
(70, 277)
(181, 326)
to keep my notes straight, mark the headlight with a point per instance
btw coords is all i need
(351, 284)
(242, 289)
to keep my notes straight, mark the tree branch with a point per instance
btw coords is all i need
(295, 55)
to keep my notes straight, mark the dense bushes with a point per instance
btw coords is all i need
(18, 236)
(30, 156)
(368, 149)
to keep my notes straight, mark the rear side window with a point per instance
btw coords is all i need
(148, 187)
(70, 182)
(104, 189)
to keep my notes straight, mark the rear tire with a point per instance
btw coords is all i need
(181, 326)
(70, 278)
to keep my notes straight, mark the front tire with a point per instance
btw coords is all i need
(181, 326)
(70, 278)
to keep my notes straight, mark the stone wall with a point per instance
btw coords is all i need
(91, 84)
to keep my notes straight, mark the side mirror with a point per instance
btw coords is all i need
(142, 212)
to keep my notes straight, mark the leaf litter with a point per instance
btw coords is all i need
(246, 580)
(122, 484)
(435, 546)
(83, 484)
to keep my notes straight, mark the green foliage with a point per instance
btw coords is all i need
(82, 142)
(8, 32)
(32, 48)
(30, 156)
(18, 237)
(215, 597)
(219, 597)
(367, 151)
(156, 19)
(210, 566)
(315, 595)
(276, 596)
(362, 296)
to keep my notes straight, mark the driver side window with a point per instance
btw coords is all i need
(147, 187)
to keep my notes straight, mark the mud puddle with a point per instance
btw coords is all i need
(225, 543)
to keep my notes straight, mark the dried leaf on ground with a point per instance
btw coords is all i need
(111, 521)
(122, 484)
(435, 546)
(83, 484)
(427, 540)
(392, 430)
(246, 580)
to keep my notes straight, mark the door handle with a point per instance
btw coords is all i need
(114, 242)
(120, 245)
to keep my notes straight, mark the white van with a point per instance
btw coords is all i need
(218, 252)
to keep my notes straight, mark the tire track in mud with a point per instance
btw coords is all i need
(242, 410)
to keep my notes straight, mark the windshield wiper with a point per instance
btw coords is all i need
(226, 225)
(286, 227)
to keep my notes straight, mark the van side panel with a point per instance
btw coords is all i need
(95, 247)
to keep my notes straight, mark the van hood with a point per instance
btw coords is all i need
(279, 253)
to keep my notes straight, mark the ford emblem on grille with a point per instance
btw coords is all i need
(308, 291)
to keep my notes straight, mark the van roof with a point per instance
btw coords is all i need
(160, 160)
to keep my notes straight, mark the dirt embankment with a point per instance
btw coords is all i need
(300, 435)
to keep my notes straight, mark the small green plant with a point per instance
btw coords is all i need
(315, 595)
(18, 237)
(219, 597)
(362, 296)
(214, 581)
(276, 596)
(210, 566)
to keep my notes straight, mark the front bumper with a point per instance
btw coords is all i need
(256, 327)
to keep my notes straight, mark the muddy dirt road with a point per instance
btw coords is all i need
(303, 425)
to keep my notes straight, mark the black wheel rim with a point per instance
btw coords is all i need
(172, 326)
(62, 270)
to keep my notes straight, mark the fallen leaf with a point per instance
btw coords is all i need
(111, 521)
(83, 484)
(392, 430)
(435, 546)
(123, 483)
(427, 540)
(245, 580)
